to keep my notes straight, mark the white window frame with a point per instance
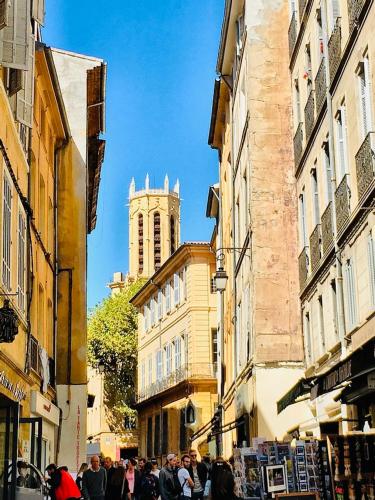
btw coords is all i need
(146, 317)
(160, 304)
(307, 335)
(342, 143)
(168, 297)
(351, 295)
(176, 288)
(327, 167)
(315, 194)
(7, 204)
(365, 94)
(177, 353)
(168, 359)
(302, 218)
(159, 365)
(143, 376)
(152, 308)
(150, 369)
(21, 258)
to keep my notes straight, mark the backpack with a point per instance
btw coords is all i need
(149, 489)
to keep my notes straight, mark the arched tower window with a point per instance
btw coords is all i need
(173, 234)
(140, 243)
(157, 241)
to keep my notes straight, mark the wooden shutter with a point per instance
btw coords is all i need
(15, 81)
(38, 11)
(16, 35)
(366, 70)
(335, 9)
(4, 9)
(25, 97)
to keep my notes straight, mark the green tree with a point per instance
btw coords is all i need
(112, 340)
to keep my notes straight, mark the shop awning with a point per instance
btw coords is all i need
(360, 362)
(301, 388)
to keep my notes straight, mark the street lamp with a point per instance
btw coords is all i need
(101, 366)
(221, 279)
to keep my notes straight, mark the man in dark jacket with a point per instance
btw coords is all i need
(168, 479)
(108, 465)
(198, 473)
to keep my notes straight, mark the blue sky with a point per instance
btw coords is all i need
(161, 57)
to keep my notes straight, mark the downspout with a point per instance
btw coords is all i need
(338, 263)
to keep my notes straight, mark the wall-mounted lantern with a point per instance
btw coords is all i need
(8, 323)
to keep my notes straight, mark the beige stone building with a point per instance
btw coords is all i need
(177, 352)
(260, 340)
(332, 67)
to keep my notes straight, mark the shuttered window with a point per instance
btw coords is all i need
(17, 36)
(328, 171)
(371, 262)
(38, 11)
(149, 370)
(160, 305)
(25, 97)
(365, 96)
(152, 307)
(143, 375)
(159, 365)
(350, 294)
(315, 195)
(307, 335)
(146, 317)
(21, 281)
(4, 9)
(177, 353)
(168, 359)
(342, 155)
(168, 297)
(302, 215)
(7, 232)
(176, 287)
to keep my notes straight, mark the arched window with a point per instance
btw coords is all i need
(173, 234)
(140, 244)
(157, 241)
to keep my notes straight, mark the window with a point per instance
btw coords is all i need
(146, 317)
(140, 244)
(214, 347)
(297, 102)
(159, 365)
(152, 307)
(342, 155)
(184, 283)
(177, 353)
(371, 261)
(308, 72)
(315, 195)
(21, 285)
(176, 287)
(42, 206)
(245, 203)
(143, 376)
(157, 241)
(302, 215)
(319, 33)
(335, 12)
(328, 171)
(168, 359)
(213, 288)
(160, 304)
(365, 96)
(351, 294)
(41, 315)
(334, 306)
(7, 231)
(172, 230)
(150, 370)
(168, 297)
(237, 227)
(321, 322)
(307, 334)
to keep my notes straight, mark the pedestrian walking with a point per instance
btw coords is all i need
(222, 481)
(119, 486)
(62, 485)
(110, 470)
(149, 484)
(170, 487)
(84, 466)
(184, 477)
(94, 481)
(141, 464)
(133, 476)
(198, 473)
(155, 469)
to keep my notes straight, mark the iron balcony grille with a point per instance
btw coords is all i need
(342, 199)
(327, 228)
(303, 265)
(187, 371)
(298, 144)
(315, 247)
(354, 9)
(320, 86)
(309, 115)
(365, 163)
(292, 34)
(334, 50)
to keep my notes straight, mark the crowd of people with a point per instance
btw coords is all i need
(182, 478)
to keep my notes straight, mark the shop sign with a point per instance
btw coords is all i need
(44, 407)
(15, 389)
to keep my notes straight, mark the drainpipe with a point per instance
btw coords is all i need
(339, 278)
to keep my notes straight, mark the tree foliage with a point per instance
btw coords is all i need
(112, 340)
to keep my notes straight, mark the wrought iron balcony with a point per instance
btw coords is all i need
(297, 143)
(309, 115)
(303, 265)
(188, 371)
(320, 86)
(301, 8)
(334, 49)
(342, 199)
(292, 33)
(327, 228)
(365, 163)
(315, 247)
(354, 9)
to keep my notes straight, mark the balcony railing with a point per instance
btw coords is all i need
(342, 199)
(354, 8)
(334, 49)
(303, 265)
(365, 163)
(309, 115)
(301, 8)
(320, 87)
(327, 228)
(292, 33)
(187, 371)
(297, 143)
(315, 247)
